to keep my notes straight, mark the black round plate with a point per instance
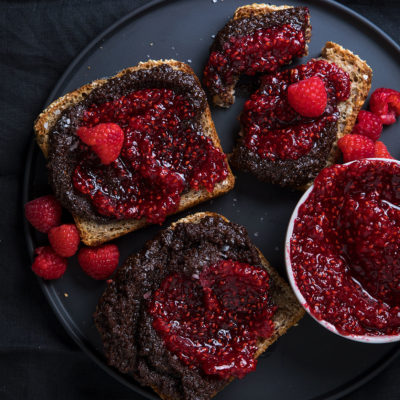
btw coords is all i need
(308, 362)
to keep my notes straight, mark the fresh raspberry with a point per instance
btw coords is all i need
(385, 103)
(368, 124)
(381, 150)
(308, 97)
(64, 239)
(355, 147)
(99, 262)
(105, 139)
(43, 213)
(48, 264)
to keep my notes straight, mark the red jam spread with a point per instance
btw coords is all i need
(345, 248)
(265, 50)
(273, 129)
(212, 321)
(163, 154)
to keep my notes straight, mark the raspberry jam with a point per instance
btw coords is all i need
(273, 129)
(345, 248)
(265, 50)
(164, 153)
(213, 321)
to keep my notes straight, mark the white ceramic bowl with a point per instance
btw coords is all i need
(325, 324)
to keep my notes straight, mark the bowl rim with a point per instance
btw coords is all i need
(296, 290)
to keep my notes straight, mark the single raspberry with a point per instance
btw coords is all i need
(381, 150)
(48, 264)
(368, 124)
(43, 213)
(308, 97)
(105, 139)
(64, 239)
(99, 262)
(355, 147)
(385, 103)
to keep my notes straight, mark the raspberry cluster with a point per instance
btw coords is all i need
(44, 214)
(363, 141)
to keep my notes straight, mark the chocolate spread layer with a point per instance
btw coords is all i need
(130, 342)
(296, 17)
(64, 150)
(294, 173)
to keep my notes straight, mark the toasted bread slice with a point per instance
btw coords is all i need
(247, 11)
(93, 233)
(112, 324)
(360, 79)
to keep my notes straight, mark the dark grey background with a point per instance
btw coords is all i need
(38, 39)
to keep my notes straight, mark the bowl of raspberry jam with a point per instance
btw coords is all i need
(342, 250)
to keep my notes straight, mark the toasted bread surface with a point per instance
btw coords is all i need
(288, 313)
(247, 11)
(360, 83)
(94, 233)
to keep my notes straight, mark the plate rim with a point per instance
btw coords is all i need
(49, 291)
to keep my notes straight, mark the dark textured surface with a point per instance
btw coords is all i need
(121, 315)
(38, 39)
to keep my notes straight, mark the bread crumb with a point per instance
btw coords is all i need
(189, 60)
(213, 36)
(89, 67)
(151, 44)
(66, 294)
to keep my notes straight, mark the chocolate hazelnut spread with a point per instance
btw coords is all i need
(122, 317)
(294, 16)
(66, 151)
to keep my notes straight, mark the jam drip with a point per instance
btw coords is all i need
(265, 50)
(164, 153)
(273, 129)
(212, 321)
(345, 248)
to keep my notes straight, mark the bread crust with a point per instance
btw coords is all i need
(94, 233)
(289, 310)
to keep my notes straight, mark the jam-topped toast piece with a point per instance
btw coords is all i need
(280, 146)
(258, 39)
(132, 149)
(194, 309)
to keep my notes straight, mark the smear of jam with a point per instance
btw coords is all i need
(212, 321)
(273, 129)
(345, 248)
(265, 50)
(164, 153)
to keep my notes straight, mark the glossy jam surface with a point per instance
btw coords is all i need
(162, 155)
(345, 248)
(273, 129)
(263, 51)
(212, 321)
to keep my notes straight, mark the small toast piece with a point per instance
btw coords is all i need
(93, 232)
(131, 344)
(268, 15)
(292, 172)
